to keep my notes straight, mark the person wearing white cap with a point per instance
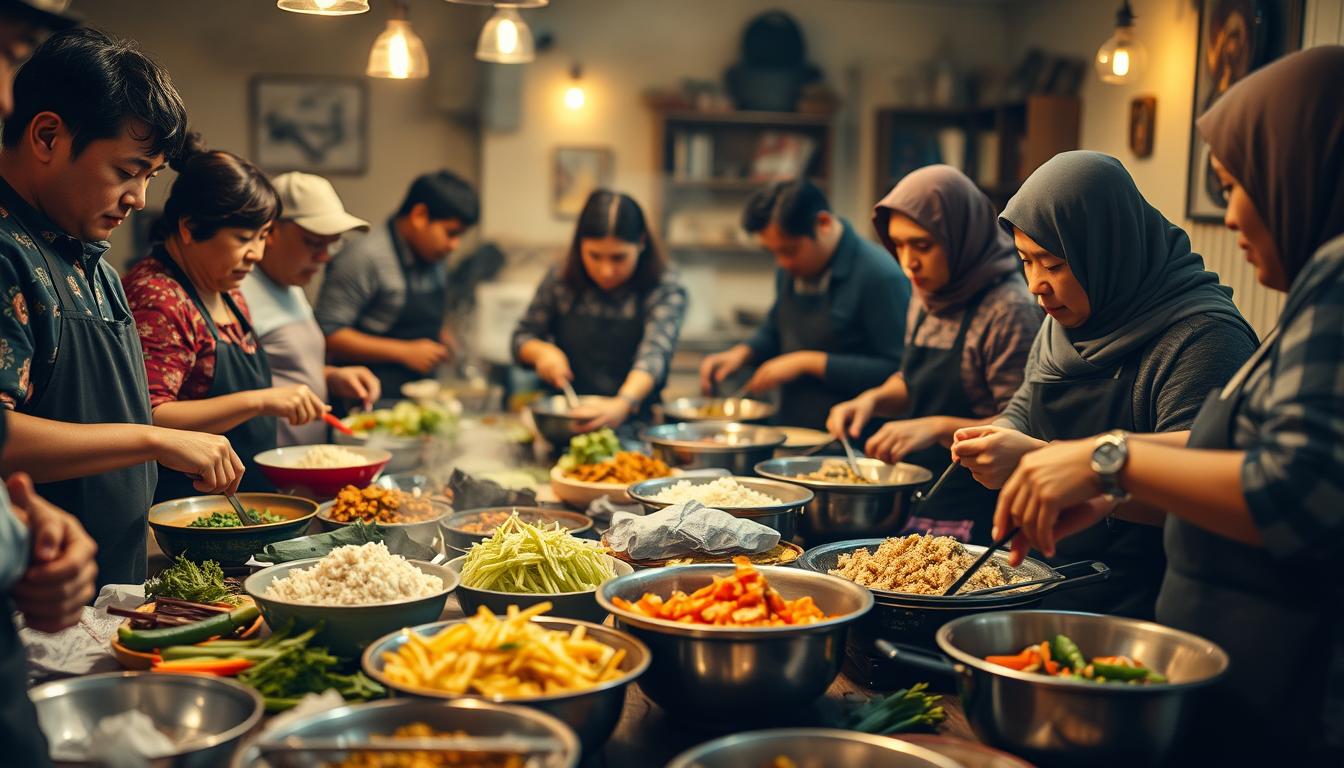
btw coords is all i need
(312, 221)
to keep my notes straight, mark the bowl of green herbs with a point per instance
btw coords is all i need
(206, 527)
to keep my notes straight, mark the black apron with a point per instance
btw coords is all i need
(19, 731)
(1081, 408)
(235, 371)
(99, 378)
(601, 352)
(962, 508)
(421, 318)
(805, 324)
(1272, 618)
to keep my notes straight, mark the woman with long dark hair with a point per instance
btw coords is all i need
(607, 319)
(206, 371)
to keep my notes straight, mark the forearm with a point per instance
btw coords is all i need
(947, 426)
(1199, 486)
(533, 349)
(52, 450)
(1176, 439)
(212, 415)
(351, 346)
(891, 398)
(856, 373)
(637, 386)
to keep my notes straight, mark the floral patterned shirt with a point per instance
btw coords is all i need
(30, 308)
(179, 350)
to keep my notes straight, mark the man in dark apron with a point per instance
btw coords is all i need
(384, 301)
(837, 327)
(71, 368)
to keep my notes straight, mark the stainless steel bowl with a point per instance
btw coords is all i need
(459, 540)
(593, 714)
(422, 531)
(346, 629)
(566, 605)
(726, 445)
(849, 510)
(783, 517)
(1055, 721)
(810, 746)
(207, 716)
(739, 409)
(170, 522)
(555, 421)
(737, 674)
(355, 724)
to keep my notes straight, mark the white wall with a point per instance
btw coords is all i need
(212, 50)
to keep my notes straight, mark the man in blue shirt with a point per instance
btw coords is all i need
(837, 326)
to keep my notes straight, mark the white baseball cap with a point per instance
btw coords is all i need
(312, 203)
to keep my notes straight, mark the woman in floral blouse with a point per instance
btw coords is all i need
(206, 370)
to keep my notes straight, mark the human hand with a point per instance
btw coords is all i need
(611, 412)
(62, 572)
(847, 419)
(777, 371)
(898, 439)
(297, 404)
(720, 365)
(552, 365)
(354, 382)
(423, 355)
(208, 458)
(1052, 491)
(992, 453)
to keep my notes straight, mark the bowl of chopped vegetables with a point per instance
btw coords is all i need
(419, 516)
(736, 643)
(207, 528)
(574, 670)
(470, 526)
(405, 430)
(524, 564)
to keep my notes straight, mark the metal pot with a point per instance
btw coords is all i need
(783, 517)
(849, 510)
(726, 445)
(1055, 721)
(737, 409)
(826, 746)
(556, 423)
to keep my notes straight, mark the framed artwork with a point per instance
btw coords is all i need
(1236, 37)
(310, 123)
(1142, 120)
(576, 172)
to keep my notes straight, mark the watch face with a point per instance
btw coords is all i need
(1108, 457)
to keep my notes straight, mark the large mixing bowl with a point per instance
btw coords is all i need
(566, 605)
(809, 747)
(483, 521)
(738, 674)
(593, 713)
(556, 421)
(346, 629)
(849, 510)
(206, 716)
(352, 725)
(713, 445)
(280, 466)
(171, 523)
(739, 409)
(1070, 722)
(783, 516)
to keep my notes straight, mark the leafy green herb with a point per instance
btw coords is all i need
(295, 669)
(905, 709)
(590, 448)
(185, 580)
(230, 519)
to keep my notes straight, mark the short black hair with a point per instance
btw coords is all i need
(793, 205)
(446, 195)
(215, 190)
(97, 85)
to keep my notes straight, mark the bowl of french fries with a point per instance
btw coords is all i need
(574, 670)
(736, 643)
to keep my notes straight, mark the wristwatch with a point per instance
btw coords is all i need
(1108, 461)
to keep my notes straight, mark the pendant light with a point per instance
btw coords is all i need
(324, 7)
(575, 98)
(1121, 58)
(505, 3)
(506, 39)
(398, 53)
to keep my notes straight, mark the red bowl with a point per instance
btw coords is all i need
(278, 467)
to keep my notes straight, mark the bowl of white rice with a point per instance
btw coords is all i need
(357, 593)
(321, 471)
(768, 502)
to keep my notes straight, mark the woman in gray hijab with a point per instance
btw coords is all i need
(1254, 493)
(1137, 334)
(970, 326)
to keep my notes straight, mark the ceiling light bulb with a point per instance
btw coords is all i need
(398, 53)
(324, 7)
(1122, 57)
(505, 39)
(574, 97)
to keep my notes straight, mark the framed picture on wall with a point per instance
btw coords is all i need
(575, 173)
(1236, 37)
(310, 123)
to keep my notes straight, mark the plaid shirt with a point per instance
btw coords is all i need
(1290, 420)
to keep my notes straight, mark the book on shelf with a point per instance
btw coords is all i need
(782, 155)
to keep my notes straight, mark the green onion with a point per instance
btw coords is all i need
(529, 559)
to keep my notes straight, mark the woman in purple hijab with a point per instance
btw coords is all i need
(970, 326)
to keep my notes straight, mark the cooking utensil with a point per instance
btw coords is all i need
(727, 445)
(355, 725)
(980, 561)
(810, 746)
(592, 713)
(923, 496)
(565, 605)
(849, 456)
(170, 522)
(571, 397)
(337, 424)
(782, 516)
(1050, 720)
(1008, 587)
(734, 674)
(206, 716)
(245, 515)
(841, 511)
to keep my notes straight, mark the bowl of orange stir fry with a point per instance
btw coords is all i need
(580, 485)
(736, 641)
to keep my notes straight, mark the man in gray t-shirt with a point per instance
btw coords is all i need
(312, 221)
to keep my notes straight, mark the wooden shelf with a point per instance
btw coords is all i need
(749, 119)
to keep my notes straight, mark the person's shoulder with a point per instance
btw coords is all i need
(147, 283)
(1214, 343)
(365, 246)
